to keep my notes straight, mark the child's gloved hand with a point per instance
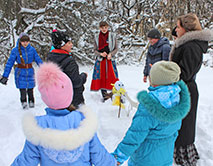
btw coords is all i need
(119, 156)
(4, 80)
(145, 79)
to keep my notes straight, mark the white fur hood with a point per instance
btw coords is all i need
(59, 139)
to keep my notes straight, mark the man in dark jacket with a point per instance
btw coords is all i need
(61, 55)
(157, 51)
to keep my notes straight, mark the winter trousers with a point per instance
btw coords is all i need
(26, 92)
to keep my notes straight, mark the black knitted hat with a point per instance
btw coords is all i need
(154, 34)
(59, 39)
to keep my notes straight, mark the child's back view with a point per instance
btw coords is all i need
(61, 137)
(150, 139)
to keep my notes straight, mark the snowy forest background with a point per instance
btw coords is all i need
(130, 19)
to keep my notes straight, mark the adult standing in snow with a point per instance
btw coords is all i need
(105, 72)
(158, 50)
(187, 52)
(61, 55)
(62, 137)
(24, 54)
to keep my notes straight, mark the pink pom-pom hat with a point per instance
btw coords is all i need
(54, 86)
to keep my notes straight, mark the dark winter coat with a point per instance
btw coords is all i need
(188, 54)
(70, 67)
(157, 52)
(24, 78)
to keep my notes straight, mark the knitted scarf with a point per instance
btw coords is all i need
(103, 40)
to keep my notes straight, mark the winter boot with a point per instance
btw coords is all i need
(24, 105)
(107, 96)
(31, 104)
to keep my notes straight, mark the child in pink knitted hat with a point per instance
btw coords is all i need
(61, 137)
(55, 86)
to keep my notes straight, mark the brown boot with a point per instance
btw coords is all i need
(109, 95)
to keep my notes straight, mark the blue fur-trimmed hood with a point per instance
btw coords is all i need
(169, 115)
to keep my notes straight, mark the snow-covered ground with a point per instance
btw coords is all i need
(111, 128)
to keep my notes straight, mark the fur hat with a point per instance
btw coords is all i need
(154, 34)
(59, 39)
(164, 73)
(54, 86)
(190, 22)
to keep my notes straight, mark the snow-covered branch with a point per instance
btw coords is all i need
(32, 11)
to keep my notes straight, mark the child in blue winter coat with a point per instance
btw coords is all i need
(24, 54)
(61, 137)
(150, 139)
